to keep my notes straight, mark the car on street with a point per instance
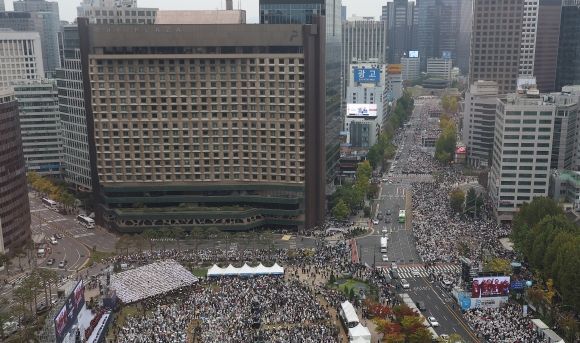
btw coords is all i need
(385, 232)
(389, 212)
(61, 264)
(50, 261)
(385, 258)
(415, 272)
(433, 321)
(393, 265)
(379, 216)
(375, 221)
(405, 284)
(421, 306)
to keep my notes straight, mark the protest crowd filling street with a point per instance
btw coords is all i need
(298, 307)
(290, 308)
(503, 325)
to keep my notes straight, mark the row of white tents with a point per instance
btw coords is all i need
(245, 270)
(357, 333)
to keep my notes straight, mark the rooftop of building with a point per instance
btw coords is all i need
(568, 176)
(201, 17)
(532, 97)
(130, 36)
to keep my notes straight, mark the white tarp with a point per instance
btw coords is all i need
(150, 280)
(348, 312)
(359, 334)
(245, 270)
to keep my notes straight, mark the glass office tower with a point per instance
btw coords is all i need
(303, 12)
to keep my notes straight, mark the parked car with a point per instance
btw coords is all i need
(375, 221)
(433, 321)
(61, 264)
(58, 236)
(50, 261)
(53, 241)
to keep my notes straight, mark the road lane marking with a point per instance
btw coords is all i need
(84, 235)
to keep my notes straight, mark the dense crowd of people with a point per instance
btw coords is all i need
(265, 308)
(505, 324)
(439, 232)
(295, 307)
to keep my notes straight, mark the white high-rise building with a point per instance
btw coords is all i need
(365, 94)
(528, 41)
(411, 68)
(116, 12)
(439, 68)
(363, 39)
(40, 125)
(530, 138)
(479, 122)
(21, 57)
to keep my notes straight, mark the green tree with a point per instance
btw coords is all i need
(447, 141)
(529, 215)
(410, 324)
(456, 199)
(421, 335)
(340, 211)
(449, 104)
(4, 261)
(497, 265)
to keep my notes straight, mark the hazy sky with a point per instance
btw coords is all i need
(370, 8)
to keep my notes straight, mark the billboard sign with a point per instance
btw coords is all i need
(446, 54)
(414, 53)
(67, 315)
(492, 302)
(490, 286)
(518, 284)
(370, 75)
(361, 110)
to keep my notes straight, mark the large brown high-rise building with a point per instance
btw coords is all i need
(495, 42)
(206, 125)
(14, 206)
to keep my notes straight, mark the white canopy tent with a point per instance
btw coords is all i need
(348, 313)
(245, 270)
(276, 270)
(359, 334)
(215, 270)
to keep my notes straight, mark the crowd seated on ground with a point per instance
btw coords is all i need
(505, 324)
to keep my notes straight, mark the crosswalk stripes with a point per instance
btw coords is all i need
(406, 272)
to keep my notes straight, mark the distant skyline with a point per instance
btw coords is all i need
(367, 8)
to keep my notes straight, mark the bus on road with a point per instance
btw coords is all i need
(384, 241)
(85, 221)
(51, 204)
(401, 216)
